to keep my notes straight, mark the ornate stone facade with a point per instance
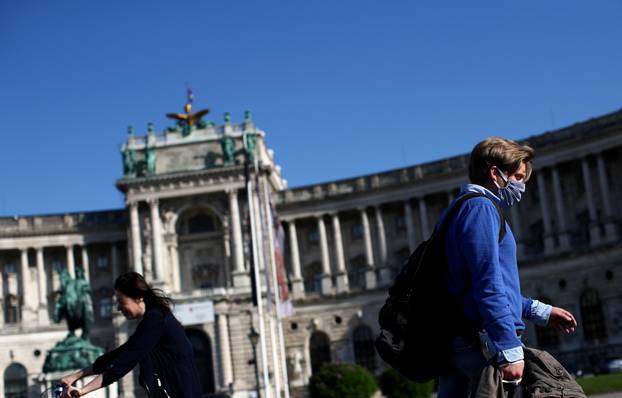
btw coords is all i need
(186, 228)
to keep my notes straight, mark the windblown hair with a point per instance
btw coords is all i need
(132, 284)
(506, 154)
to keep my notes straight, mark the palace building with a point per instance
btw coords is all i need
(187, 227)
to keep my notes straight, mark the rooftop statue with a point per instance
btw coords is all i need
(129, 155)
(75, 305)
(150, 155)
(188, 119)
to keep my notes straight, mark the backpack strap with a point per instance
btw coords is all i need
(442, 229)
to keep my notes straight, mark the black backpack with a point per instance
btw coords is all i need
(420, 317)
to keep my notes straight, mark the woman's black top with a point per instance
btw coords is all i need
(160, 347)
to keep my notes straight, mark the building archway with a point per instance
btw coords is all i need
(15, 381)
(364, 351)
(202, 347)
(592, 316)
(319, 350)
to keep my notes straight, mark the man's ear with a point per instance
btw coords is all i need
(493, 176)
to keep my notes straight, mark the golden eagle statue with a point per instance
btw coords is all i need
(188, 118)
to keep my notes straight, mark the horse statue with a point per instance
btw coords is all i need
(75, 303)
(76, 306)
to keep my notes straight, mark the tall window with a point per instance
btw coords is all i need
(319, 347)
(356, 231)
(364, 352)
(102, 262)
(11, 309)
(313, 277)
(592, 316)
(15, 381)
(356, 272)
(547, 337)
(105, 308)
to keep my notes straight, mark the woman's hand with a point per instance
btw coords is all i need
(562, 320)
(71, 392)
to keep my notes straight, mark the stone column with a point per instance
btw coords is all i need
(564, 238)
(544, 207)
(342, 273)
(298, 289)
(370, 272)
(71, 265)
(410, 225)
(42, 280)
(611, 233)
(156, 239)
(137, 253)
(517, 231)
(225, 350)
(327, 285)
(85, 263)
(114, 261)
(175, 271)
(589, 198)
(28, 299)
(385, 273)
(240, 276)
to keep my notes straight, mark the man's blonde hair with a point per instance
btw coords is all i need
(506, 154)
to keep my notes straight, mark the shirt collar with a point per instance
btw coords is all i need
(480, 189)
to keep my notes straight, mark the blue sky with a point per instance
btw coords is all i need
(342, 88)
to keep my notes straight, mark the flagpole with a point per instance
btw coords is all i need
(283, 364)
(256, 259)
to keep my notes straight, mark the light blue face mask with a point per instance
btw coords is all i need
(512, 192)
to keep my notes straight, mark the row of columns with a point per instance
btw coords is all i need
(341, 274)
(560, 208)
(30, 306)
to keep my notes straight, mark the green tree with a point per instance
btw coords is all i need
(394, 385)
(342, 381)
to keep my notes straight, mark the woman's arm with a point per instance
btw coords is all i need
(93, 385)
(72, 378)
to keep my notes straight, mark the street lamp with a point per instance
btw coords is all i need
(253, 336)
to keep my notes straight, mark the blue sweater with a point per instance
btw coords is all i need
(488, 270)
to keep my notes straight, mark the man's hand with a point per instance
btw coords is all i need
(562, 320)
(513, 371)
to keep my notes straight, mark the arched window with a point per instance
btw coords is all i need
(202, 347)
(546, 336)
(319, 347)
(11, 309)
(364, 352)
(197, 221)
(15, 381)
(592, 316)
(200, 223)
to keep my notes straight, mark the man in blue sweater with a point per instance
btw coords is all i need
(484, 273)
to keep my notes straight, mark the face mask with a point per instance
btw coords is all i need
(512, 191)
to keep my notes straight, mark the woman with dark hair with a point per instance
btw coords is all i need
(159, 346)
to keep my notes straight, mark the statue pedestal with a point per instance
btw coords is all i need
(47, 381)
(71, 353)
